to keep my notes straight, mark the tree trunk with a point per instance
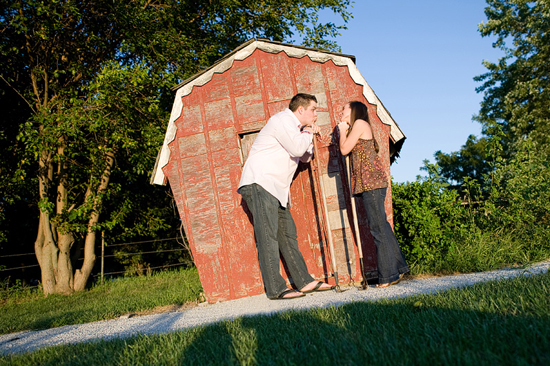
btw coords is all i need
(82, 275)
(45, 251)
(54, 258)
(53, 248)
(65, 279)
(45, 246)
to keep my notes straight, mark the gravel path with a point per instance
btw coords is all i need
(127, 326)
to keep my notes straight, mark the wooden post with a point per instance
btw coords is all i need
(364, 284)
(327, 220)
(102, 255)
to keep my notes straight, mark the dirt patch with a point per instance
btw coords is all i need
(449, 273)
(430, 275)
(166, 309)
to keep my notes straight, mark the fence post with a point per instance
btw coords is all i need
(102, 255)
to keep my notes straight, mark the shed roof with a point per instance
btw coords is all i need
(241, 53)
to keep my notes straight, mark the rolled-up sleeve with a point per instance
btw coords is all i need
(292, 139)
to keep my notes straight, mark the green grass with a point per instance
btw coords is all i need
(108, 301)
(503, 322)
(483, 251)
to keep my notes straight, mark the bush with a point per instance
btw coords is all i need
(503, 220)
(429, 223)
(520, 198)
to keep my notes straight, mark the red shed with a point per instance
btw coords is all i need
(215, 117)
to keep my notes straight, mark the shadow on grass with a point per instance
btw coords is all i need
(408, 332)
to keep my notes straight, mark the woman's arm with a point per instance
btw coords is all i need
(361, 129)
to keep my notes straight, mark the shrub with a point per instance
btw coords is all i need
(503, 220)
(520, 198)
(429, 222)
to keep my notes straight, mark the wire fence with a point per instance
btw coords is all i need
(18, 271)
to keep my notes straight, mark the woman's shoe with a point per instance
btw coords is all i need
(384, 285)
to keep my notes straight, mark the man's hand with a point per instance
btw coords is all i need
(313, 128)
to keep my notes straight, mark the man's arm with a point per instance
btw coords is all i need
(294, 141)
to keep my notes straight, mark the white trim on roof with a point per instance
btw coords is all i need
(295, 52)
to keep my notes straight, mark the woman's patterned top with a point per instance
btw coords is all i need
(367, 172)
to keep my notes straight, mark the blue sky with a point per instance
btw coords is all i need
(420, 58)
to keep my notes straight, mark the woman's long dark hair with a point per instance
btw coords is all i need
(360, 111)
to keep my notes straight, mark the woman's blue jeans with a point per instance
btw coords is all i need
(391, 262)
(275, 232)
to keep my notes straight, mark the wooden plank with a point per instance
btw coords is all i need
(222, 139)
(244, 77)
(218, 114)
(190, 146)
(205, 226)
(276, 107)
(217, 88)
(346, 254)
(190, 121)
(239, 248)
(309, 77)
(242, 235)
(250, 108)
(276, 75)
(300, 191)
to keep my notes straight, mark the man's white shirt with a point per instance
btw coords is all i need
(275, 154)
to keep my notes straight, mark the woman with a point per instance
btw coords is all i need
(369, 180)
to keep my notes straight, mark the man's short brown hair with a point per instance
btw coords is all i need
(301, 99)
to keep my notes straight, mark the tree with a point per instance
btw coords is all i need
(94, 77)
(516, 89)
(516, 101)
(470, 161)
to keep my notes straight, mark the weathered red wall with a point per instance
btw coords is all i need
(206, 163)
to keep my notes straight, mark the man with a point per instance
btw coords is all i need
(285, 140)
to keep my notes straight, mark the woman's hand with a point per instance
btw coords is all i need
(343, 128)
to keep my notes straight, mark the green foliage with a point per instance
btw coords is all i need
(184, 38)
(16, 290)
(516, 100)
(17, 184)
(429, 221)
(470, 161)
(521, 194)
(503, 177)
(516, 93)
(121, 118)
(502, 220)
